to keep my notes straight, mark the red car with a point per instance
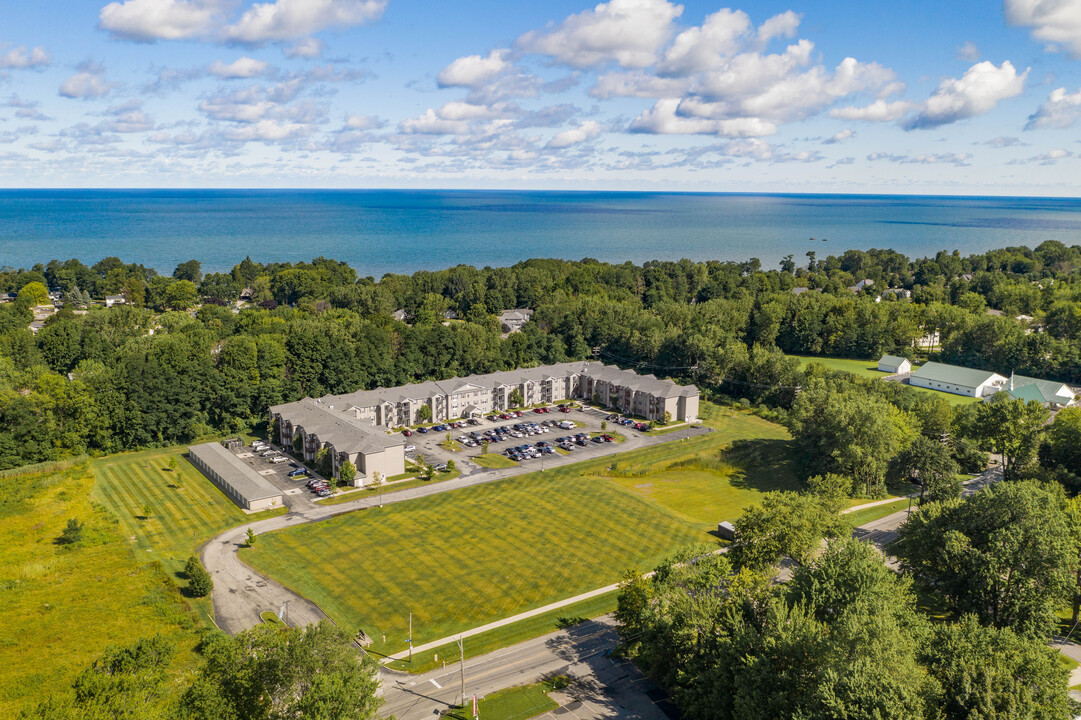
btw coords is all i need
(538, 410)
(518, 413)
(564, 409)
(407, 433)
(506, 416)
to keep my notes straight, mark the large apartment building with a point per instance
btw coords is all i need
(354, 426)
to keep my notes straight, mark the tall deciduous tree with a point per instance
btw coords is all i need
(269, 674)
(784, 524)
(1013, 428)
(930, 464)
(1005, 554)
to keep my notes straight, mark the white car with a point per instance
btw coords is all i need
(278, 459)
(410, 448)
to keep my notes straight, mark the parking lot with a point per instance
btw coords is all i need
(297, 495)
(528, 430)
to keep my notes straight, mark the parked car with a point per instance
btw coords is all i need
(611, 417)
(564, 409)
(422, 430)
(517, 413)
(597, 439)
(278, 459)
(298, 472)
(410, 448)
(607, 437)
(407, 433)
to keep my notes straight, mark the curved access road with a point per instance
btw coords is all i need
(241, 593)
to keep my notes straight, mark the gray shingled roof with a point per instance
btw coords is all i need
(332, 424)
(894, 360)
(234, 471)
(513, 378)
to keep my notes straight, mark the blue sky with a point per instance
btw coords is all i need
(959, 97)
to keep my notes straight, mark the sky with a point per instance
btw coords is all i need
(846, 96)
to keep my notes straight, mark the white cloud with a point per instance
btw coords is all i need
(664, 119)
(981, 88)
(1002, 141)
(1061, 110)
(244, 67)
(1053, 21)
(88, 83)
(586, 131)
(1053, 156)
(957, 159)
(839, 137)
(363, 122)
(473, 70)
(638, 84)
(305, 48)
(149, 20)
(267, 131)
(968, 52)
(878, 111)
(783, 25)
(293, 19)
(627, 32)
(705, 47)
(128, 118)
(20, 58)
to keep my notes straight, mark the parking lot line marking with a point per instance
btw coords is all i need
(433, 682)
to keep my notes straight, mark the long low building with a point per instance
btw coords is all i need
(354, 426)
(246, 487)
(957, 380)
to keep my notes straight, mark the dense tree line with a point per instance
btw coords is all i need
(177, 361)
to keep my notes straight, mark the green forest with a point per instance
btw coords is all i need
(179, 361)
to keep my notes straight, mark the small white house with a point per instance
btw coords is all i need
(111, 300)
(894, 365)
(957, 380)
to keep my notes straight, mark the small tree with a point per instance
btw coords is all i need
(73, 533)
(516, 399)
(347, 473)
(148, 511)
(667, 418)
(604, 425)
(199, 581)
(427, 472)
(172, 463)
(451, 467)
(425, 413)
(484, 446)
(298, 444)
(250, 537)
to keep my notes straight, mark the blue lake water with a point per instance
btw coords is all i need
(379, 231)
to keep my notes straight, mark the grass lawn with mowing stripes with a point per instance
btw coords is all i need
(185, 508)
(463, 559)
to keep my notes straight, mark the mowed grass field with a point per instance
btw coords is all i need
(61, 605)
(165, 515)
(472, 556)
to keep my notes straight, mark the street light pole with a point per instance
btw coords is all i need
(461, 656)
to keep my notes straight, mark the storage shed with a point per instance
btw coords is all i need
(243, 485)
(726, 530)
(894, 364)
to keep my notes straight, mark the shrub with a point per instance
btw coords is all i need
(72, 534)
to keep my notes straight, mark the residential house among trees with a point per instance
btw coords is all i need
(513, 320)
(1046, 392)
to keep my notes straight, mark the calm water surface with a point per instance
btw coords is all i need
(381, 231)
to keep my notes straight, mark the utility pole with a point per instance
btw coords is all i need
(461, 655)
(410, 637)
